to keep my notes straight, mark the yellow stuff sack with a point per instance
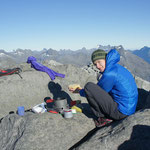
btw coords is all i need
(76, 108)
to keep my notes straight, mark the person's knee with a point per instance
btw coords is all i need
(88, 86)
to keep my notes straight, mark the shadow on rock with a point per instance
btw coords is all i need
(87, 111)
(84, 139)
(92, 133)
(143, 94)
(56, 90)
(139, 139)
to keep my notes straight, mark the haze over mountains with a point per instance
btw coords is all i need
(135, 61)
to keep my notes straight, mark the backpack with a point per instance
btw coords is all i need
(10, 72)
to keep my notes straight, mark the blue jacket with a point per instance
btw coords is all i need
(40, 67)
(119, 83)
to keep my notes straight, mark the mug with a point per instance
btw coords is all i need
(68, 113)
(21, 110)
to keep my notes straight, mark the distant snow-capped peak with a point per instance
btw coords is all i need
(18, 53)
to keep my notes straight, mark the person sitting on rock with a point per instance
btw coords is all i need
(115, 95)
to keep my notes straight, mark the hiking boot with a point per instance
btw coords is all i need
(102, 121)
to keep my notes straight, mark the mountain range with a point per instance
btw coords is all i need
(144, 53)
(134, 61)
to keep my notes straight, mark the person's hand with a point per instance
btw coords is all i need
(74, 88)
(77, 90)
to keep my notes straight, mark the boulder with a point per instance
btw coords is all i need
(143, 91)
(35, 86)
(42, 131)
(147, 104)
(142, 84)
(52, 131)
(131, 133)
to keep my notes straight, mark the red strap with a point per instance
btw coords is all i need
(3, 71)
(8, 73)
(53, 111)
(49, 101)
(73, 103)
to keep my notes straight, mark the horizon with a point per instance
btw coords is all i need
(37, 24)
(68, 49)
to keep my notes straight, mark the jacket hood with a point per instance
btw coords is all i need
(112, 58)
(30, 59)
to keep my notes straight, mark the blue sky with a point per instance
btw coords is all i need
(73, 24)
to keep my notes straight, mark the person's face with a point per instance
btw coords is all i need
(100, 64)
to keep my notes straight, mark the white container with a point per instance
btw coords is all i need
(68, 113)
(39, 108)
(74, 111)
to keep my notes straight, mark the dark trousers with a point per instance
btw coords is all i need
(101, 102)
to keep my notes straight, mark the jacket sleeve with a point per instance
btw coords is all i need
(82, 93)
(107, 81)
